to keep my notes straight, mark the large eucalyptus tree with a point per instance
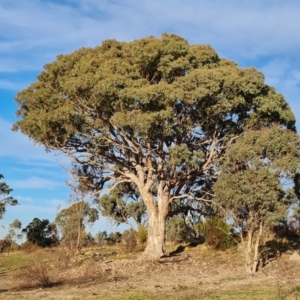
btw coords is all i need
(155, 112)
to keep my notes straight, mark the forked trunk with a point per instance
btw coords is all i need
(157, 214)
(155, 248)
(252, 250)
(256, 248)
(78, 242)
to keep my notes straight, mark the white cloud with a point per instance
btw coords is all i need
(24, 199)
(43, 29)
(34, 183)
(18, 147)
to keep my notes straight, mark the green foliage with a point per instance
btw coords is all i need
(176, 230)
(41, 233)
(72, 222)
(121, 204)
(16, 224)
(142, 234)
(251, 184)
(14, 233)
(5, 199)
(217, 233)
(119, 101)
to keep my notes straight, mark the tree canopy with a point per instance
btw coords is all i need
(72, 223)
(155, 112)
(41, 232)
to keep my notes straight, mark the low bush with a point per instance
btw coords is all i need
(142, 235)
(217, 233)
(177, 231)
(129, 239)
(37, 273)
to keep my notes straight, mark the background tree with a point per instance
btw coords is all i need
(13, 233)
(114, 238)
(155, 112)
(5, 199)
(253, 185)
(101, 238)
(122, 204)
(72, 222)
(41, 233)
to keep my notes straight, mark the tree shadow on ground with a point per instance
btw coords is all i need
(177, 251)
(192, 244)
(29, 287)
(274, 248)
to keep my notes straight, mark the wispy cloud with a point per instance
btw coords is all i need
(9, 85)
(35, 183)
(18, 147)
(42, 29)
(259, 33)
(24, 199)
(284, 74)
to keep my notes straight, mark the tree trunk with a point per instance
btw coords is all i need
(155, 248)
(78, 243)
(248, 252)
(158, 209)
(256, 254)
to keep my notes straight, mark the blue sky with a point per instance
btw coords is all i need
(263, 34)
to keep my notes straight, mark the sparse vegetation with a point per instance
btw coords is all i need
(112, 272)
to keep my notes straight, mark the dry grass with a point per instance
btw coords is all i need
(196, 272)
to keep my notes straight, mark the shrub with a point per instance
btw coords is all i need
(36, 273)
(28, 247)
(142, 235)
(88, 240)
(114, 238)
(129, 239)
(216, 232)
(176, 230)
(5, 246)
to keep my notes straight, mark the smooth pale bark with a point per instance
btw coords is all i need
(78, 244)
(155, 248)
(248, 251)
(157, 215)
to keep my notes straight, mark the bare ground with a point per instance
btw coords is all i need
(198, 273)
